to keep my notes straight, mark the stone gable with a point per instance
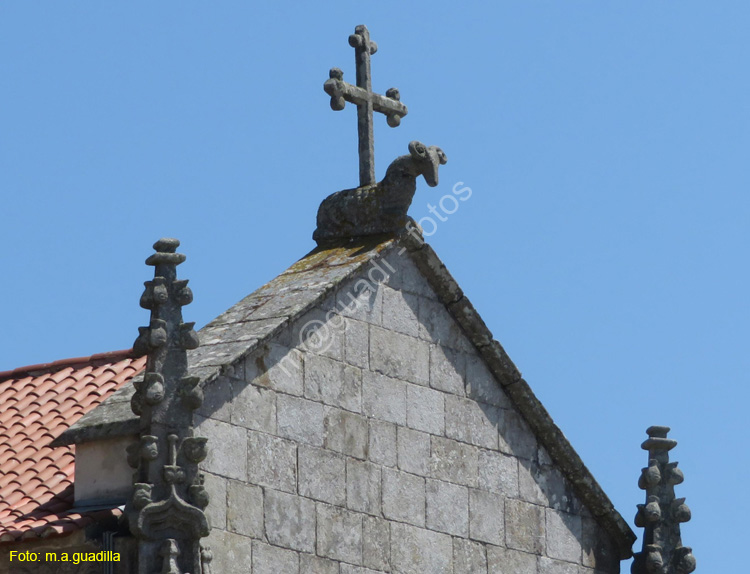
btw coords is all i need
(383, 443)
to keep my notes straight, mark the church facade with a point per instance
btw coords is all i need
(360, 419)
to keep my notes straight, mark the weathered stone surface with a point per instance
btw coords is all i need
(216, 511)
(454, 461)
(469, 557)
(407, 277)
(221, 354)
(550, 566)
(322, 475)
(299, 420)
(565, 457)
(334, 263)
(272, 560)
(363, 486)
(400, 312)
(384, 398)
(425, 409)
(498, 473)
(563, 533)
(228, 453)
(286, 303)
(217, 401)
(327, 322)
(233, 371)
(524, 526)
(413, 451)
(339, 534)
(499, 362)
(333, 382)
(543, 457)
(507, 561)
(472, 422)
(599, 552)
(289, 520)
(447, 368)
(357, 344)
(309, 564)
(238, 312)
(529, 478)
(399, 356)
(271, 461)
(430, 266)
(251, 331)
(376, 543)
(516, 437)
(546, 485)
(275, 367)
(231, 552)
(418, 551)
(362, 297)
(244, 508)
(254, 408)
(471, 322)
(349, 569)
(382, 442)
(447, 507)
(486, 517)
(437, 326)
(481, 385)
(403, 497)
(345, 432)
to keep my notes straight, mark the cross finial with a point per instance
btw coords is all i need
(366, 101)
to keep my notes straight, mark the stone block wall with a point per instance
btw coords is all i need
(386, 448)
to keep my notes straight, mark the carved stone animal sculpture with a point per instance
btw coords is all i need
(382, 207)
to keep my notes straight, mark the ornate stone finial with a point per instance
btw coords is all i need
(366, 101)
(663, 552)
(166, 511)
(381, 208)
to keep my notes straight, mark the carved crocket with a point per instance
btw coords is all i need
(379, 208)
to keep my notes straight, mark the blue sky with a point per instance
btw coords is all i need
(605, 241)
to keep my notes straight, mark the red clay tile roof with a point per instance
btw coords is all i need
(37, 404)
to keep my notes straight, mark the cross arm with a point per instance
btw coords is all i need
(342, 92)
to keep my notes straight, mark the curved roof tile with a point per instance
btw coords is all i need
(39, 402)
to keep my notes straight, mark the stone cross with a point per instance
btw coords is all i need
(366, 101)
